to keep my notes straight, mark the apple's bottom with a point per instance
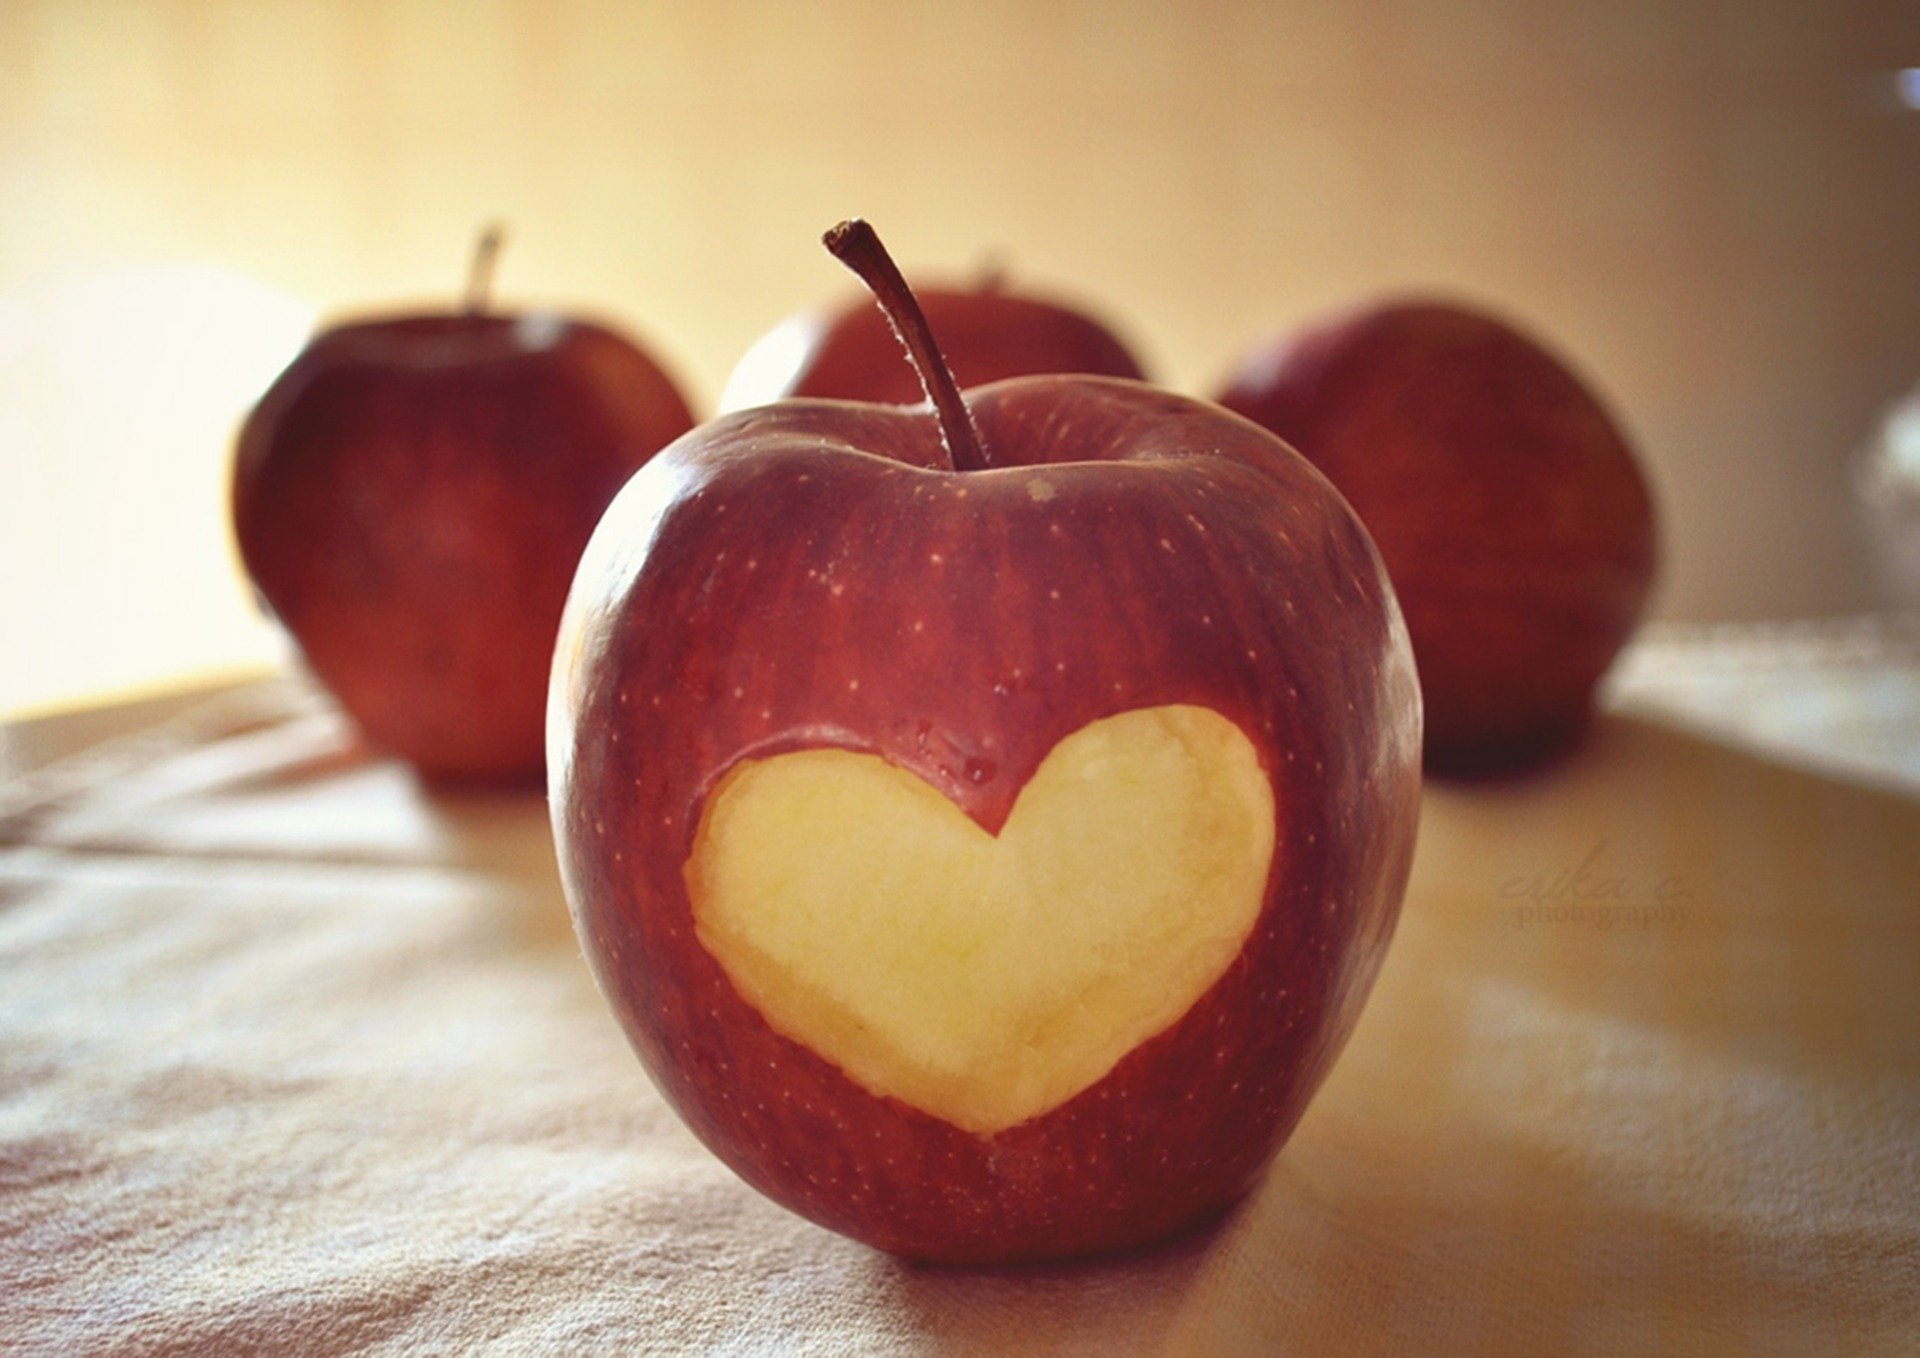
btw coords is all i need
(1479, 755)
(1185, 1233)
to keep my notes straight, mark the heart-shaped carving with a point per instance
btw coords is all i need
(987, 980)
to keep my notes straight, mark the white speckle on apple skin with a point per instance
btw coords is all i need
(936, 558)
(1040, 490)
(853, 685)
(1166, 545)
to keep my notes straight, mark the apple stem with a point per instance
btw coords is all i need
(486, 253)
(990, 274)
(855, 245)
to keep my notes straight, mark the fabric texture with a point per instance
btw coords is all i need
(296, 1056)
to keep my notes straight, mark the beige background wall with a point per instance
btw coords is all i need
(1714, 207)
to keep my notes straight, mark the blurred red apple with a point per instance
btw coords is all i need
(985, 818)
(986, 333)
(1509, 508)
(411, 497)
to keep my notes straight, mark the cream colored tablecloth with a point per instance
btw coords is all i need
(295, 1056)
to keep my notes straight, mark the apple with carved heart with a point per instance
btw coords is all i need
(986, 819)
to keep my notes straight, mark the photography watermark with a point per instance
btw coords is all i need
(1597, 894)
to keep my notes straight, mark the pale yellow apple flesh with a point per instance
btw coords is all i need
(988, 980)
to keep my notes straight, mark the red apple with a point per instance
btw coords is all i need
(985, 818)
(986, 333)
(411, 497)
(1509, 508)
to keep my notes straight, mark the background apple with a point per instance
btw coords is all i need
(986, 333)
(986, 820)
(411, 497)
(1511, 512)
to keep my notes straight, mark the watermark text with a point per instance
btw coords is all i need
(1597, 894)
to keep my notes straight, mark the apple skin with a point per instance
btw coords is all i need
(851, 354)
(411, 497)
(810, 575)
(1510, 510)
